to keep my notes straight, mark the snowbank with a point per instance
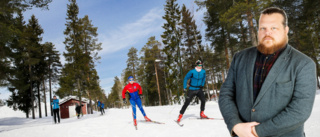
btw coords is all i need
(118, 123)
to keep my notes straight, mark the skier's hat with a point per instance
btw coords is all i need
(199, 63)
(130, 77)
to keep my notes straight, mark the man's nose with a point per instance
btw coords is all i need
(268, 32)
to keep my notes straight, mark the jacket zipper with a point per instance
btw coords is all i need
(133, 92)
(199, 79)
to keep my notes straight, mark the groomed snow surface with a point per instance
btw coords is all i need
(118, 123)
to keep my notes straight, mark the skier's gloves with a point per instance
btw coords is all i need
(124, 101)
(185, 91)
(141, 96)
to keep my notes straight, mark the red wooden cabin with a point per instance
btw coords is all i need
(68, 105)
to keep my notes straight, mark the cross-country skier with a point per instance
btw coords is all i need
(99, 105)
(55, 108)
(135, 91)
(197, 78)
(78, 109)
(102, 108)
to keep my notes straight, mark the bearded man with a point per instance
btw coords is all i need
(270, 89)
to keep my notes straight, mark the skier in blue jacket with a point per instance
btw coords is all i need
(102, 108)
(55, 107)
(197, 78)
(99, 105)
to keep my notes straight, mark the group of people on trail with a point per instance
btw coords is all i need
(55, 108)
(269, 89)
(101, 107)
(197, 77)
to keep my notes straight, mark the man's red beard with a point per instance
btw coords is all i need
(275, 46)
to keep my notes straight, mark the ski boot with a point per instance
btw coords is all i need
(147, 119)
(179, 118)
(135, 122)
(202, 115)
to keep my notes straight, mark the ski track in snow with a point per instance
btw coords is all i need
(119, 123)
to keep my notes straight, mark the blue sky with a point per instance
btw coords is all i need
(122, 24)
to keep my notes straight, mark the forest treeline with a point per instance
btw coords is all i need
(231, 26)
(30, 66)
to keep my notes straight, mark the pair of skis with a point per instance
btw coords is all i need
(181, 125)
(155, 122)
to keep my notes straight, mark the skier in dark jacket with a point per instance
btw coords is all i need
(78, 108)
(135, 91)
(102, 108)
(55, 108)
(197, 78)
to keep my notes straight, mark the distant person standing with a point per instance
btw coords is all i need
(135, 91)
(197, 77)
(55, 107)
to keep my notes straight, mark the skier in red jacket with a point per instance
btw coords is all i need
(135, 91)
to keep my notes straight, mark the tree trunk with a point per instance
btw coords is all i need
(38, 86)
(243, 35)
(27, 113)
(213, 88)
(50, 91)
(168, 92)
(79, 94)
(216, 91)
(253, 34)
(155, 67)
(208, 90)
(45, 98)
(222, 75)
(229, 45)
(31, 90)
(91, 110)
(226, 48)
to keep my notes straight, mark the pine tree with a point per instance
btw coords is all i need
(113, 97)
(8, 11)
(147, 73)
(171, 38)
(20, 82)
(33, 38)
(191, 39)
(79, 76)
(216, 31)
(132, 61)
(91, 48)
(27, 49)
(53, 66)
(72, 74)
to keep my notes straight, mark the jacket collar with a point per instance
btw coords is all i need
(277, 67)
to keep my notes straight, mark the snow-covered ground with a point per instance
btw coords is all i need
(118, 123)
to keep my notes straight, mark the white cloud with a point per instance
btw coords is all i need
(131, 33)
(106, 84)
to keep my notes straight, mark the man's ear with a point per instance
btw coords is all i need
(287, 30)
